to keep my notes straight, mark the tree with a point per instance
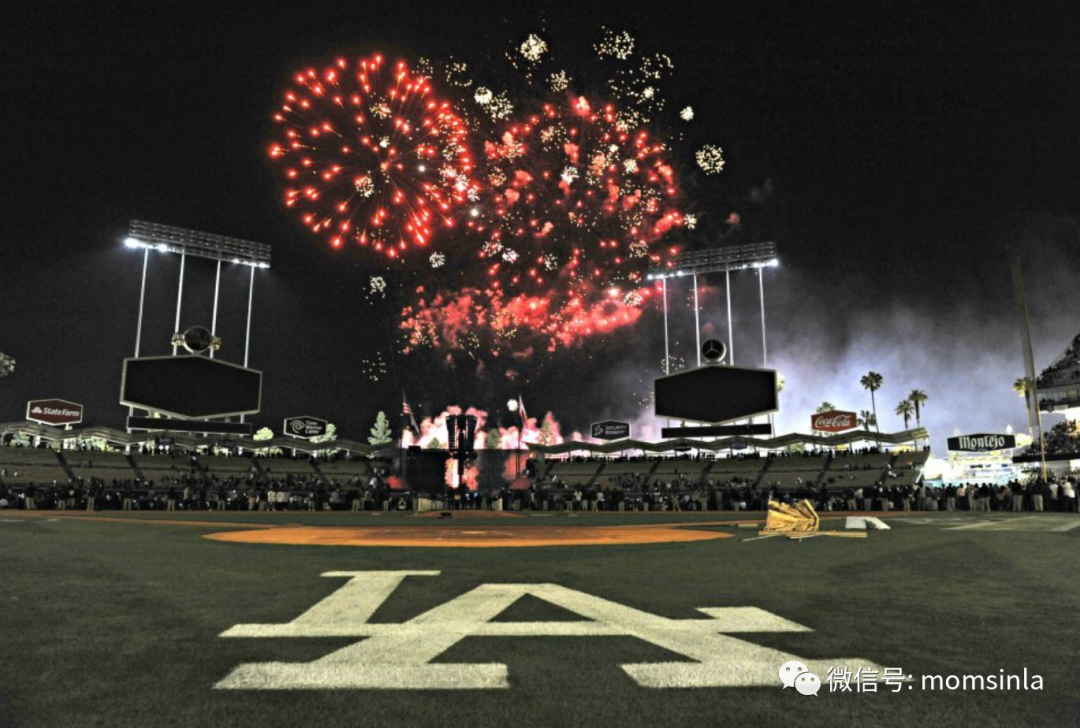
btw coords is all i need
(493, 439)
(97, 443)
(7, 365)
(1021, 386)
(546, 436)
(780, 383)
(873, 382)
(381, 434)
(331, 434)
(435, 444)
(918, 398)
(824, 407)
(867, 419)
(905, 409)
(263, 435)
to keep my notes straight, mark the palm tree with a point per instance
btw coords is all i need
(867, 419)
(1020, 386)
(905, 409)
(824, 407)
(872, 381)
(918, 398)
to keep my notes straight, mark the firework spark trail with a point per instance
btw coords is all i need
(562, 196)
(579, 196)
(575, 208)
(433, 430)
(573, 188)
(370, 156)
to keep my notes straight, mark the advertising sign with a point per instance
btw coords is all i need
(833, 421)
(305, 427)
(981, 443)
(57, 412)
(611, 430)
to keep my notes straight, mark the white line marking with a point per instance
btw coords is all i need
(970, 526)
(398, 656)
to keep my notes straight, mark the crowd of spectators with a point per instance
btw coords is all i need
(185, 486)
(286, 493)
(1061, 439)
(1065, 369)
(1059, 494)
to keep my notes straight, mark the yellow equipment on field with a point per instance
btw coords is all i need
(798, 522)
(785, 519)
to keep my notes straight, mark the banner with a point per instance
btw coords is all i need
(833, 421)
(57, 412)
(305, 427)
(981, 443)
(610, 430)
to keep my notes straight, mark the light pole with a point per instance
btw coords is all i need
(179, 297)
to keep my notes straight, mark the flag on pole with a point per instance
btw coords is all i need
(521, 410)
(406, 410)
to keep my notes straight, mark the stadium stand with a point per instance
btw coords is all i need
(650, 470)
(671, 469)
(285, 466)
(1064, 370)
(24, 465)
(225, 466)
(788, 473)
(1062, 439)
(156, 468)
(107, 466)
(344, 469)
(574, 472)
(1059, 384)
(151, 479)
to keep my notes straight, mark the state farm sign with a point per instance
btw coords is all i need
(833, 421)
(54, 412)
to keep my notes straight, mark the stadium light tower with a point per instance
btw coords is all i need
(718, 260)
(183, 242)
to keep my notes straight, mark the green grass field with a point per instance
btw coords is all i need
(118, 624)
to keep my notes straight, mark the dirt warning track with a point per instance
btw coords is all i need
(483, 534)
(475, 536)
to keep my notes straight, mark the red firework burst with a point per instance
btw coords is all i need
(371, 156)
(577, 203)
(575, 192)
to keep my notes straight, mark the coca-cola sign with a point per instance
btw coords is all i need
(833, 421)
(54, 412)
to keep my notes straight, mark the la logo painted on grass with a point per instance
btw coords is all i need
(399, 656)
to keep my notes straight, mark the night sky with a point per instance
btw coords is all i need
(901, 155)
